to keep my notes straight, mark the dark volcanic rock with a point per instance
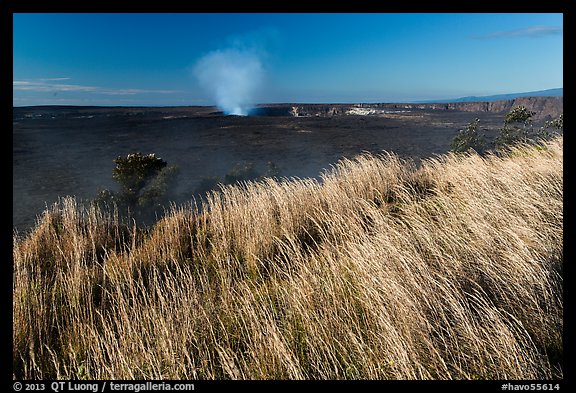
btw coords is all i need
(59, 151)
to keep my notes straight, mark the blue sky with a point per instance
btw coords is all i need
(150, 59)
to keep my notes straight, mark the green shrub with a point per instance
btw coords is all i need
(468, 139)
(509, 136)
(154, 192)
(145, 182)
(517, 127)
(133, 173)
(551, 128)
(519, 115)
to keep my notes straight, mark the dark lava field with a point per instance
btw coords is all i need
(60, 151)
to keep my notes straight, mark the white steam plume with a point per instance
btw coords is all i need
(233, 77)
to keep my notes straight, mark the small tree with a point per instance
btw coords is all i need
(468, 139)
(144, 183)
(519, 115)
(517, 124)
(133, 172)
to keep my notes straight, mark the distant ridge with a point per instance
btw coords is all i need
(558, 92)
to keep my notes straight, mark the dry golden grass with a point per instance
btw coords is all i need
(378, 271)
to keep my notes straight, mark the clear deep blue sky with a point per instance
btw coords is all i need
(148, 59)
